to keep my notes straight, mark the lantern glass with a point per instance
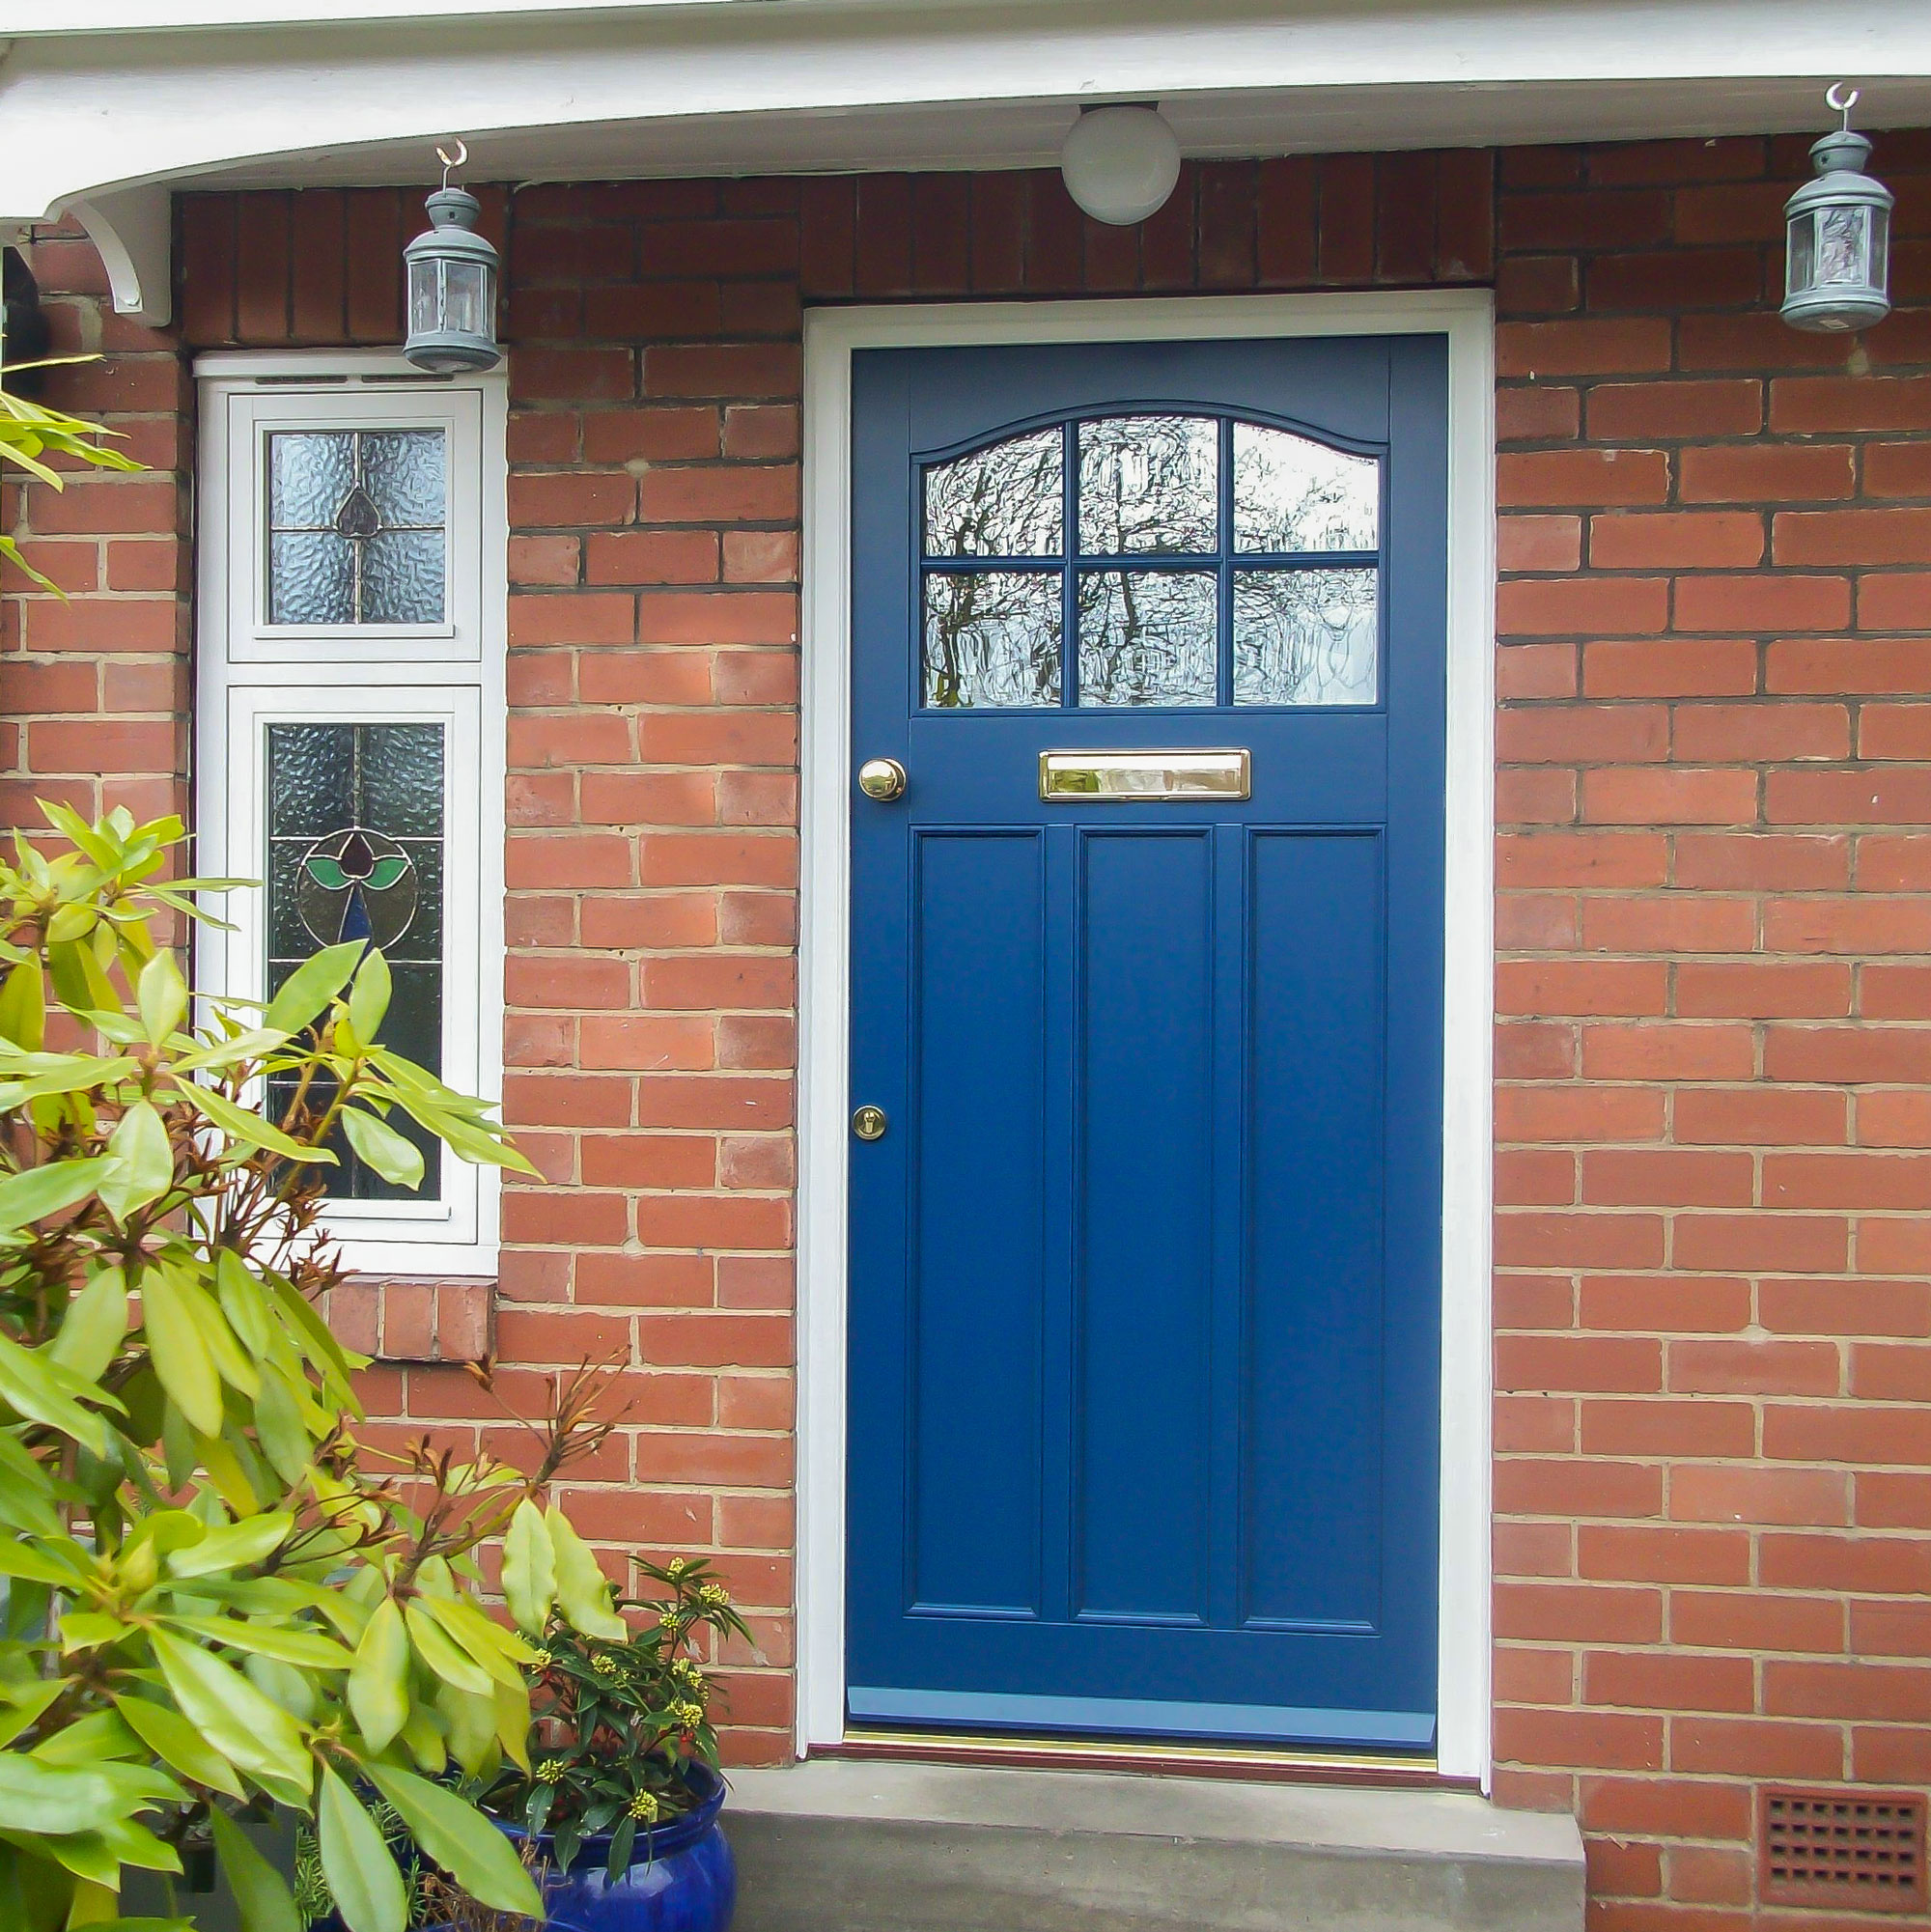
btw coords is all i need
(1843, 246)
(425, 296)
(468, 307)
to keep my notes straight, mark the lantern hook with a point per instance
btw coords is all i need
(1851, 98)
(456, 160)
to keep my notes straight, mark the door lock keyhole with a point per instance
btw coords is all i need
(868, 1123)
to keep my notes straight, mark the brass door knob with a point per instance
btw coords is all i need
(883, 779)
(868, 1123)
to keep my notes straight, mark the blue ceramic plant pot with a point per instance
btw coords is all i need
(681, 1878)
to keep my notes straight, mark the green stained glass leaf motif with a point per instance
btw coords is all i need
(354, 854)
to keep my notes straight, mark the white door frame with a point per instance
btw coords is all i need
(1465, 316)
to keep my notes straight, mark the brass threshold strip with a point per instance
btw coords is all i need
(1168, 1758)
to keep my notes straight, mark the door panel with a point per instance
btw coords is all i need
(976, 1118)
(1144, 1296)
(1311, 1548)
(1144, 1301)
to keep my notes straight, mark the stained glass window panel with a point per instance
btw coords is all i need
(1307, 637)
(1148, 637)
(990, 639)
(357, 526)
(1005, 501)
(356, 851)
(1294, 495)
(1149, 483)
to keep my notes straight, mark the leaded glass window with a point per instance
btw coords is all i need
(1211, 562)
(357, 526)
(356, 851)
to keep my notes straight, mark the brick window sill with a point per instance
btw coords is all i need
(398, 1318)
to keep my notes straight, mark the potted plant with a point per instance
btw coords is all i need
(617, 1811)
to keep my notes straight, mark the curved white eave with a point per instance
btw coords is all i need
(773, 85)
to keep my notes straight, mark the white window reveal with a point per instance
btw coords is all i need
(349, 728)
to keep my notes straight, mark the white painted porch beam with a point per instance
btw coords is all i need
(670, 88)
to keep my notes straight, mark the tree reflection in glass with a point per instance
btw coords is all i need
(1005, 501)
(1149, 483)
(992, 639)
(1147, 637)
(1305, 638)
(1292, 495)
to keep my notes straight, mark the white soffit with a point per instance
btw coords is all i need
(551, 89)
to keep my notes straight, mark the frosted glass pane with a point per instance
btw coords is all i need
(990, 639)
(1149, 483)
(403, 473)
(1305, 638)
(1842, 247)
(311, 778)
(1148, 637)
(311, 577)
(1294, 495)
(308, 477)
(1006, 501)
(401, 779)
(401, 577)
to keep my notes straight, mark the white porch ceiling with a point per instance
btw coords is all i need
(90, 109)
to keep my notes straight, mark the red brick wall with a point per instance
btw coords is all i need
(94, 692)
(1714, 1286)
(1714, 1471)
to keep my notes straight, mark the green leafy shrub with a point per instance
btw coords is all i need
(216, 1596)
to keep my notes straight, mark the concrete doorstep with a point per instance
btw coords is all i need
(842, 1845)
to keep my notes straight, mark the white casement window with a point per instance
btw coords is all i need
(348, 728)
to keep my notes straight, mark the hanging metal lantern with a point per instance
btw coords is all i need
(452, 274)
(1837, 265)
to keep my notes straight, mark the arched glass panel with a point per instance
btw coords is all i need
(1293, 495)
(1211, 562)
(1005, 501)
(1149, 483)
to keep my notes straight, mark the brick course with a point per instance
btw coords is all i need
(1713, 1294)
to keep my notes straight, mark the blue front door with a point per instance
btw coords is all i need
(1145, 1305)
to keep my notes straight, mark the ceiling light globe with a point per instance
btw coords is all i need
(1120, 163)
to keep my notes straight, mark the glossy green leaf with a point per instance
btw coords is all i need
(529, 1568)
(367, 1886)
(23, 1005)
(179, 1351)
(441, 1656)
(250, 1129)
(459, 1838)
(237, 1719)
(369, 997)
(309, 989)
(308, 1648)
(93, 1326)
(278, 1428)
(161, 995)
(235, 1546)
(582, 1589)
(44, 1391)
(379, 1681)
(57, 1799)
(140, 1144)
(262, 1898)
(399, 1162)
(327, 873)
(31, 1196)
(176, 1742)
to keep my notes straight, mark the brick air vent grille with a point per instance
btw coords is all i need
(1847, 1850)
